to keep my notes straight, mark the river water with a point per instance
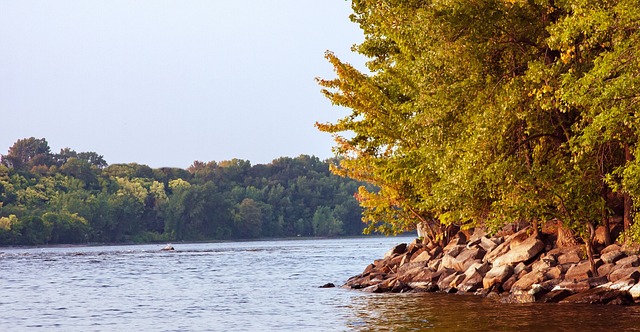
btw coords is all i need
(250, 286)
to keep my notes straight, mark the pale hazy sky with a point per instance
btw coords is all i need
(165, 83)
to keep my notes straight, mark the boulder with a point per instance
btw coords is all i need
(506, 286)
(635, 291)
(554, 272)
(434, 264)
(597, 281)
(571, 256)
(487, 244)
(623, 284)
(624, 273)
(555, 296)
(505, 246)
(422, 287)
(447, 262)
(521, 253)
(612, 256)
(412, 268)
(544, 264)
(472, 282)
(600, 295)
(397, 250)
(606, 269)
(328, 285)
(525, 282)
(445, 280)
(457, 280)
(609, 248)
(421, 256)
(519, 268)
(497, 275)
(467, 258)
(631, 261)
(454, 251)
(580, 271)
(575, 287)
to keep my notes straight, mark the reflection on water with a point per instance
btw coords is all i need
(449, 312)
(250, 286)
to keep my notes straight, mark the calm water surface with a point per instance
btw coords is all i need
(250, 286)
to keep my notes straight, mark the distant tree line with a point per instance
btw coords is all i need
(72, 197)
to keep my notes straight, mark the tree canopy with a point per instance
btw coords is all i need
(73, 197)
(488, 112)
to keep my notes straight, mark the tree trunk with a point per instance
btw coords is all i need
(627, 198)
(605, 218)
(588, 242)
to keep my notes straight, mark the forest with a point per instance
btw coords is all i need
(76, 197)
(486, 113)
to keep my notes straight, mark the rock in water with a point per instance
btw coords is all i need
(328, 285)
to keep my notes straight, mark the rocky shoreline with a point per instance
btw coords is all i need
(522, 267)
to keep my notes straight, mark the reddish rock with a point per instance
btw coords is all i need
(612, 256)
(519, 268)
(413, 267)
(525, 282)
(397, 250)
(580, 271)
(369, 268)
(555, 296)
(573, 256)
(455, 250)
(487, 244)
(554, 272)
(457, 281)
(624, 273)
(600, 295)
(597, 281)
(436, 252)
(497, 275)
(576, 287)
(471, 283)
(506, 286)
(544, 264)
(421, 287)
(421, 256)
(447, 262)
(505, 246)
(521, 253)
(631, 261)
(605, 269)
(612, 247)
(444, 282)
(434, 264)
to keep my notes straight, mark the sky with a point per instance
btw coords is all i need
(166, 83)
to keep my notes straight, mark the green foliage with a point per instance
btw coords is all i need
(78, 199)
(490, 112)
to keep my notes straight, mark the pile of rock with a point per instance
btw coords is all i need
(516, 268)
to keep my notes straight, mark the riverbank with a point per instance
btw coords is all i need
(522, 267)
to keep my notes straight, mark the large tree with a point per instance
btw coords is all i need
(478, 113)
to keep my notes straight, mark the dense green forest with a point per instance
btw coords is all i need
(71, 197)
(484, 113)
